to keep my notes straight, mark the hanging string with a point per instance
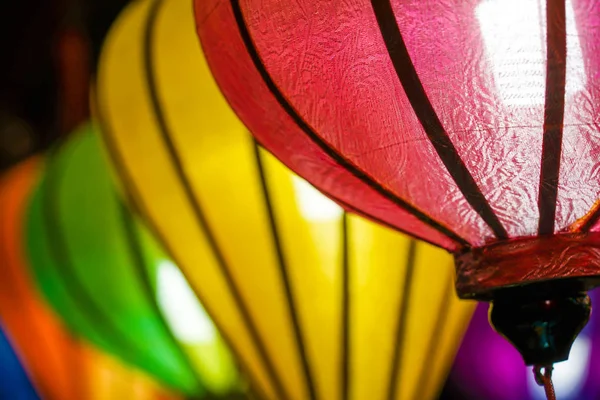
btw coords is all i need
(545, 380)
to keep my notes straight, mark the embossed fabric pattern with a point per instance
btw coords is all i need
(462, 123)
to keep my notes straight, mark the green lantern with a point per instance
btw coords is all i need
(103, 272)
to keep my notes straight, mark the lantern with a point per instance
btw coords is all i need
(106, 276)
(316, 303)
(14, 378)
(470, 124)
(474, 377)
(60, 365)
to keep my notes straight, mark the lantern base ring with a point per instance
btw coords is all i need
(541, 320)
(483, 271)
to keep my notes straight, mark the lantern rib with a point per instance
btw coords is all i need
(346, 304)
(381, 222)
(423, 109)
(135, 199)
(590, 221)
(138, 264)
(283, 271)
(402, 319)
(554, 109)
(326, 147)
(194, 202)
(434, 341)
(74, 288)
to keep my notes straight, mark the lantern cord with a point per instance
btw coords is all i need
(545, 380)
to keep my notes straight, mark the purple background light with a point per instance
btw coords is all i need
(488, 367)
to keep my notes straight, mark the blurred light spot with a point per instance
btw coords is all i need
(183, 312)
(568, 376)
(314, 206)
(514, 33)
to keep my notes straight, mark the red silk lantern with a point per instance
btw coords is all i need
(470, 124)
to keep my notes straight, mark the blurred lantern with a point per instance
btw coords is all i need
(106, 276)
(316, 303)
(59, 365)
(14, 383)
(470, 124)
(477, 378)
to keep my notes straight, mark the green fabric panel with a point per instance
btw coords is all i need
(211, 358)
(51, 283)
(81, 255)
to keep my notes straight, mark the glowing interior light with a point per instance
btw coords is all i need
(183, 312)
(314, 206)
(514, 33)
(568, 376)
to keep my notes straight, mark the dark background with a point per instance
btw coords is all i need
(49, 51)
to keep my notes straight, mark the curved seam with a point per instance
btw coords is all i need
(194, 203)
(346, 303)
(284, 275)
(139, 267)
(423, 109)
(74, 288)
(135, 199)
(434, 342)
(554, 110)
(325, 147)
(402, 319)
(4, 249)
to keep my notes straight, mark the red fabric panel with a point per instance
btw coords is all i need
(482, 65)
(579, 184)
(340, 79)
(259, 110)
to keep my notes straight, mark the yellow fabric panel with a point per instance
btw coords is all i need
(312, 251)
(206, 359)
(242, 233)
(219, 161)
(377, 276)
(458, 317)
(429, 296)
(128, 121)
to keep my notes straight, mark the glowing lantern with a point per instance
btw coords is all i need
(59, 365)
(471, 124)
(106, 276)
(317, 304)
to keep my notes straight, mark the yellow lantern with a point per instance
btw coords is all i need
(315, 302)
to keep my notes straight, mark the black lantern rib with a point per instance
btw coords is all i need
(194, 203)
(406, 291)
(353, 210)
(136, 200)
(138, 265)
(554, 110)
(346, 304)
(284, 274)
(409, 79)
(78, 294)
(322, 144)
(434, 340)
